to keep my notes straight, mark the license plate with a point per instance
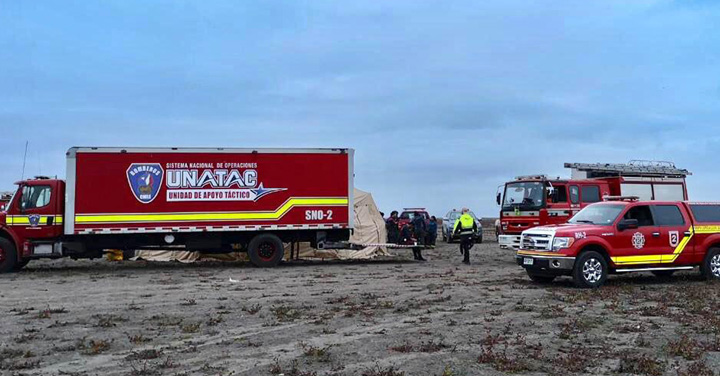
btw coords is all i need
(528, 261)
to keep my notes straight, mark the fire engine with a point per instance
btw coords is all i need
(624, 234)
(214, 200)
(531, 201)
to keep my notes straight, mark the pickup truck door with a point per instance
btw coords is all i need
(641, 246)
(674, 226)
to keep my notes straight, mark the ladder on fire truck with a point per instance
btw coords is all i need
(635, 168)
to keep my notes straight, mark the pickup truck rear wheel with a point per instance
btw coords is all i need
(8, 256)
(590, 270)
(710, 267)
(266, 250)
(540, 278)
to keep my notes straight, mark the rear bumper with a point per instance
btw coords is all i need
(509, 241)
(545, 263)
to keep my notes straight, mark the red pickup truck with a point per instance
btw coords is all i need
(625, 235)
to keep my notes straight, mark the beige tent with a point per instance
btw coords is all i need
(369, 228)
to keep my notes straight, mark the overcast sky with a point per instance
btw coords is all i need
(442, 100)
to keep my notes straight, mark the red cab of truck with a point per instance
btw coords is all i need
(624, 235)
(531, 201)
(215, 200)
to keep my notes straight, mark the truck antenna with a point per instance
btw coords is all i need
(24, 160)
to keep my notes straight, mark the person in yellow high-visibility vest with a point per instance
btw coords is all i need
(466, 227)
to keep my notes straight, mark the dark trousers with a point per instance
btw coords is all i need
(466, 243)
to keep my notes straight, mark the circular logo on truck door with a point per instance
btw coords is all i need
(638, 240)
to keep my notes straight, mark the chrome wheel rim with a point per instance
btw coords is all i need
(593, 270)
(715, 266)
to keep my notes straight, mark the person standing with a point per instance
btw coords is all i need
(432, 231)
(393, 228)
(420, 227)
(466, 227)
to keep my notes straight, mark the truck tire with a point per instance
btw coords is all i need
(710, 268)
(8, 256)
(266, 250)
(590, 270)
(540, 278)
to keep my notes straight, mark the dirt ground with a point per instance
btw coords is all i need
(380, 318)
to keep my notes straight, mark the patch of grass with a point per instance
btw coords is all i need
(321, 354)
(93, 346)
(382, 371)
(286, 313)
(501, 360)
(138, 339)
(48, 312)
(144, 355)
(253, 309)
(697, 369)
(639, 364)
(190, 328)
(685, 347)
(188, 302)
(108, 321)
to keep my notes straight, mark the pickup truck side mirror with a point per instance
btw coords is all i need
(497, 198)
(627, 224)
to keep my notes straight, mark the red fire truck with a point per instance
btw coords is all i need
(213, 200)
(625, 235)
(531, 201)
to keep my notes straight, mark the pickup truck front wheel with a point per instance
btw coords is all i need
(710, 267)
(8, 256)
(590, 270)
(266, 250)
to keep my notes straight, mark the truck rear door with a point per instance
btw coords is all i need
(674, 227)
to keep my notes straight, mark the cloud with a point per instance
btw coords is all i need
(442, 101)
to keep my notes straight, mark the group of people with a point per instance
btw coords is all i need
(421, 232)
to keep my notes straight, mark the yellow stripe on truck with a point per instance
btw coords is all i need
(24, 220)
(217, 216)
(659, 259)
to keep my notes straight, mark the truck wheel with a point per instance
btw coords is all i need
(710, 268)
(590, 270)
(266, 250)
(8, 256)
(540, 278)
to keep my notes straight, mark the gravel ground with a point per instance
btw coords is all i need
(378, 318)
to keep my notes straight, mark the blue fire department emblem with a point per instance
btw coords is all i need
(34, 220)
(145, 180)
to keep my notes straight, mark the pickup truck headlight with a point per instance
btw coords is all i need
(562, 243)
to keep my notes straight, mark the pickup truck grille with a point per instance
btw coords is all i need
(536, 242)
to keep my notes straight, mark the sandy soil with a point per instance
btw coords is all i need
(389, 318)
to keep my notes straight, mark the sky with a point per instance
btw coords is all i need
(443, 101)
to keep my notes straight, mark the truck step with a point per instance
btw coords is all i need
(653, 269)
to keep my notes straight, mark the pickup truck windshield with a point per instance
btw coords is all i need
(524, 196)
(597, 215)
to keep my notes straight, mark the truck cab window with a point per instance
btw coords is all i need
(642, 213)
(574, 194)
(559, 194)
(668, 215)
(590, 193)
(35, 196)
